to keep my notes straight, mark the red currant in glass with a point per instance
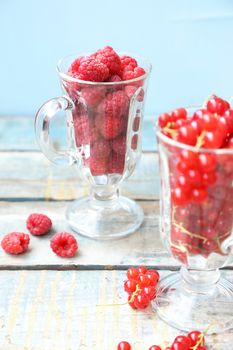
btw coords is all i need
(179, 113)
(213, 139)
(198, 195)
(188, 135)
(164, 119)
(228, 115)
(189, 158)
(124, 345)
(141, 300)
(208, 179)
(217, 105)
(207, 162)
(184, 182)
(130, 286)
(195, 337)
(132, 273)
(209, 122)
(179, 196)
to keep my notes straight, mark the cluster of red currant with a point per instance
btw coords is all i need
(195, 340)
(200, 180)
(140, 286)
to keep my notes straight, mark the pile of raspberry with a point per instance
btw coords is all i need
(194, 340)
(63, 244)
(100, 115)
(141, 286)
(200, 178)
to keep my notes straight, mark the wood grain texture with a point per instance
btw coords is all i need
(44, 310)
(17, 133)
(31, 175)
(142, 247)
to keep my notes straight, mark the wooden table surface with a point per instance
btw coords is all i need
(47, 302)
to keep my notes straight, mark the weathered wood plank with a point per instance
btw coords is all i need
(142, 247)
(31, 175)
(71, 310)
(17, 133)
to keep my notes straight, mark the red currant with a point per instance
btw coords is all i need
(189, 158)
(217, 105)
(179, 113)
(131, 302)
(195, 337)
(198, 195)
(207, 162)
(228, 115)
(153, 276)
(208, 179)
(179, 196)
(124, 345)
(141, 300)
(143, 280)
(184, 183)
(155, 347)
(193, 176)
(209, 122)
(150, 291)
(179, 346)
(142, 269)
(132, 273)
(164, 119)
(213, 139)
(188, 135)
(184, 340)
(130, 286)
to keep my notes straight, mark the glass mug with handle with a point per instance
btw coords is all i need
(104, 124)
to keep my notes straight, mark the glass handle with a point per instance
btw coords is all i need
(42, 129)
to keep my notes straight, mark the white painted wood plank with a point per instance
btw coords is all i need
(44, 310)
(31, 175)
(142, 247)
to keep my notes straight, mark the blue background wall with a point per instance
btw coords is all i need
(189, 42)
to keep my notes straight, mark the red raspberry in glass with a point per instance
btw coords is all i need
(128, 62)
(141, 300)
(81, 130)
(119, 145)
(133, 74)
(74, 67)
(109, 58)
(124, 345)
(15, 243)
(94, 135)
(109, 126)
(134, 142)
(114, 78)
(116, 163)
(100, 149)
(217, 105)
(130, 90)
(39, 224)
(64, 244)
(93, 95)
(91, 69)
(115, 104)
(98, 166)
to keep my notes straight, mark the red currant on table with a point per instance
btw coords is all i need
(141, 300)
(195, 337)
(130, 286)
(155, 347)
(132, 273)
(124, 345)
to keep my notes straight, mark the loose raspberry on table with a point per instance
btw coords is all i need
(64, 244)
(39, 224)
(93, 95)
(119, 144)
(110, 58)
(110, 126)
(15, 242)
(128, 62)
(115, 104)
(91, 69)
(133, 74)
(100, 149)
(98, 166)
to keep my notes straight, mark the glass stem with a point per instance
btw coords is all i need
(199, 281)
(107, 193)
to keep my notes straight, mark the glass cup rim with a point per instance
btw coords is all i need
(171, 142)
(67, 77)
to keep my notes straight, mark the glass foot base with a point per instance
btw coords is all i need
(209, 311)
(104, 220)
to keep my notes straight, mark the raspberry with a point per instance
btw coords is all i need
(100, 149)
(130, 91)
(109, 126)
(74, 67)
(114, 78)
(128, 62)
(91, 69)
(64, 244)
(133, 74)
(94, 135)
(110, 58)
(98, 166)
(119, 145)
(81, 130)
(39, 224)
(116, 163)
(15, 242)
(93, 95)
(115, 104)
